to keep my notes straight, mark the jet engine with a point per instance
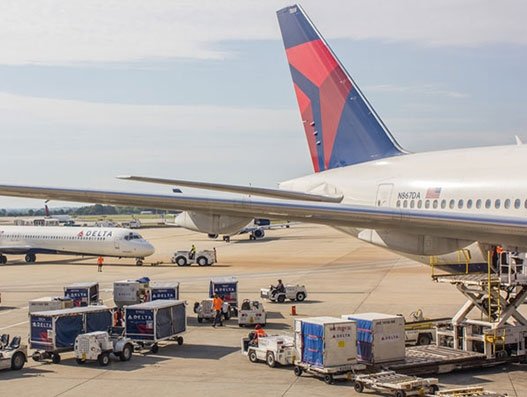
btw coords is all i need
(212, 236)
(212, 224)
(257, 234)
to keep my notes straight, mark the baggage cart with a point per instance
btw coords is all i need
(473, 391)
(398, 385)
(54, 332)
(164, 290)
(49, 303)
(149, 323)
(326, 348)
(227, 288)
(131, 292)
(83, 294)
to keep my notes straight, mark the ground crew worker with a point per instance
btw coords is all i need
(192, 252)
(100, 261)
(257, 333)
(217, 304)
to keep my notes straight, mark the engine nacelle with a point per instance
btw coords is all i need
(212, 224)
(413, 243)
(212, 236)
(258, 233)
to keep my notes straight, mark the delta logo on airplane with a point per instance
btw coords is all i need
(93, 233)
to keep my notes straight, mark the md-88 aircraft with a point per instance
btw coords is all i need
(104, 241)
(446, 207)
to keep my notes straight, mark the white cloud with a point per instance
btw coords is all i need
(79, 31)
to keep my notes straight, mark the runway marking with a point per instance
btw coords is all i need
(14, 310)
(15, 325)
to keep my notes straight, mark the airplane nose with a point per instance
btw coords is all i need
(149, 249)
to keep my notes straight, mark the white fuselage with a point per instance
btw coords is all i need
(488, 180)
(116, 242)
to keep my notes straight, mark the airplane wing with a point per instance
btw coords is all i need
(446, 224)
(15, 249)
(257, 191)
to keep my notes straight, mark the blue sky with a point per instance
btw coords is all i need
(201, 90)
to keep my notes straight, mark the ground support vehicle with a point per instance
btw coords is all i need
(326, 348)
(204, 310)
(398, 385)
(274, 350)
(227, 289)
(13, 355)
(149, 323)
(468, 392)
(49, 303)
(54, 332)
(251, 313)
(295, 293)
(83, 294)
(99, 345)
(202, 258)
(421, 331)
(131, 292)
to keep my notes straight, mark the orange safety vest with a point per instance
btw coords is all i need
(100, 260)
(217, 303)
(260, 332)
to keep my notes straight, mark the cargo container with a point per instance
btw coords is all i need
(165, 290)
(151, 322)
(227, 288)
(380, 337)
(53, 332)
(83, 294)
(131, 292)
(49, 303)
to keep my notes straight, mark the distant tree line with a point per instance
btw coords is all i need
(96, 209)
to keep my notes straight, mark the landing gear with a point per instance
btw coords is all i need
(227, 239)
(139, 261)
(3, 260)
(30, 258)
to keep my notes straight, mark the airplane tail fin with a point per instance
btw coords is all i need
(341, 126)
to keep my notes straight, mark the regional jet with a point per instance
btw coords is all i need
(33, 240)
(446, 207)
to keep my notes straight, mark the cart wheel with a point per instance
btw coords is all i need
(179, 340)
(240, 325)
(252, 356)
(328, 379)
(200, 320)
(55, 358)
(399, 393)
(359, 387)
(424, 339)
(433, 389)
(155, 348)
(300, 297)
(80, 361)
(104, 359)
(126, 354)
(281, 298)
(270, 360)
(36, 357)
(17, 361)
(297, 370)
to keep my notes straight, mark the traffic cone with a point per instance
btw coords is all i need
(293, 310)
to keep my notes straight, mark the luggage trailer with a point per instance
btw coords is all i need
(398, 385)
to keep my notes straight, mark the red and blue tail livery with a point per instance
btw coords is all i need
(341, 126)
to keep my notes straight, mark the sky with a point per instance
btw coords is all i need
(201, 90)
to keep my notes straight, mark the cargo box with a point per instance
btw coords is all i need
(49, 303)
(83, 294)
(131, 292)
(165, 291)
(380, 337)
(326, 342)
(154, 321)
(226, 287)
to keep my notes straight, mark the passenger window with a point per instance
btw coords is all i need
(427, 204)
(478, 204)
(469, 204)
(452, 204)
(497, 203)
(460, 204)
(488, 203)
(507, 204)
(517, 203)
(435, 203)
(398, 204)
(443, 203)
(412, 203)
(419, 204)
(405, 203)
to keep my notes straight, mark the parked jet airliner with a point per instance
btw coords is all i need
(447, 207)
(32, 240)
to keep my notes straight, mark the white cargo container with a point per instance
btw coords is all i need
(380, 337)
(131, 292)
(49, 303)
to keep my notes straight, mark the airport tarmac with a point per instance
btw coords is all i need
(342, 275)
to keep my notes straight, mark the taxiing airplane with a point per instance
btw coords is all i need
(446, 207)
(33, 240)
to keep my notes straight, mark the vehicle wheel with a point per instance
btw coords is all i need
(202, 261)
(433, 389)
(297, 370)
(181, 261)
(180, 340)
(80, 361)
(55, 358)
(3, 260)
(399, 393)
(126, 354)
(358, 387)
(270, 360)
(17, 361)
(200, 320)
(300, 296)
(155, 348)
(424, 339)
(30, 258)
(139, 262)
(36, 357)
(240, 325)
(252, 356)
(281, 298)
(104, 359)
(328, 379)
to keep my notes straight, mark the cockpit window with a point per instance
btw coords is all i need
(133, 236)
